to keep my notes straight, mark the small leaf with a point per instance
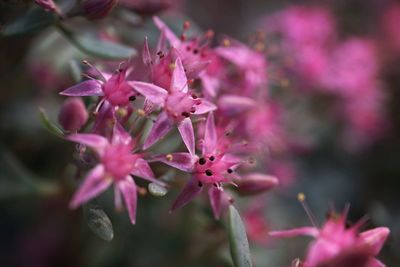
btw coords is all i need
(98, 48)
(157, 190)
(51, 127)
(239, 245)
(98, 222)
(34, 20)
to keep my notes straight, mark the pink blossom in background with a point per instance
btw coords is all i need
(390, 24)
(337, 245)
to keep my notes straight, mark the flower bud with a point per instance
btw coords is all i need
(48, 5)
(73, 114)
(97, 9)
(256, 183)
(148, 7)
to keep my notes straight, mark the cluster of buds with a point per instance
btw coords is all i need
(216, 97)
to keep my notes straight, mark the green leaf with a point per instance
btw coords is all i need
(98, 48)
(98, 222)
(239, 245)
(157, 190)
(34, 20)
(51, 127)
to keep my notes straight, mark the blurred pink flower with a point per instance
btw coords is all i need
(390, 25)
(337, 245)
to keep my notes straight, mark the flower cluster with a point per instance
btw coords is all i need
(344, 70)
(206, 93)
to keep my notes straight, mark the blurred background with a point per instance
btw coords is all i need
(333, 72)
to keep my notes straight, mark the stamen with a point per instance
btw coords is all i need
(96, 69)
(200, 184)
(186, 25)
(302, 199)
(208, 172)
(229, 170)
(212, 158)
(132, 98)
(185, 114)
(202, 161)
(169, 157)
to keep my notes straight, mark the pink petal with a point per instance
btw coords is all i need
(120, 136)
(191, 190)
(146, 56)
(143, 170)
(151, 92)
(181, 160)
(375, 263)
(86, 88)
(310, 231)
(161, 44)
(210, 136)
(94, 183)
(210, 84)
(215, 196)
(235, 104)
(205, 107)
(128, 190)
(255, 183)
(179, 80)
(94, 141)
(117, 198)
(160, 128)
(185, 128)
(169, 34)
(193, 68)
(375, 238)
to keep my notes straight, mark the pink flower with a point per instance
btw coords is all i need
(112, 88)
(390, 21)
(211, 170)
(199, 60)
(337, 245)
(252, 63)
(177, 105)
(303, 25)
(116, 165)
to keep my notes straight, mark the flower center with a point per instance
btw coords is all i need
(180, 105)
(119, 161)
(211, 169)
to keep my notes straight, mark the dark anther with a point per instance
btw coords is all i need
(195, 51)
(202, 161)
(215, 184)
(132, 98)
(159, 53)
(208, 172)
(200, 184)
(194, 96)
(212, 158)
(193, 110)
(229, 171)
(186, 114)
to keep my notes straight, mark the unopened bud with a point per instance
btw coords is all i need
(73, 114)
(256, 183)
(48, 5)
(97, 9)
